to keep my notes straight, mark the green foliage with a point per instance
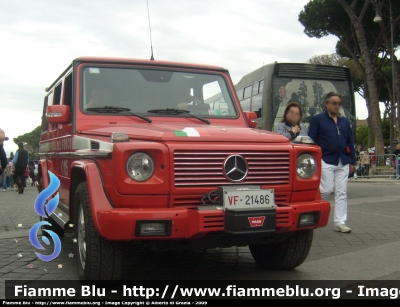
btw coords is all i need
(362, 134)
(327, 17)
(333, 59)
(32, 140)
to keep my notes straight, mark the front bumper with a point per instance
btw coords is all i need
(190, 223)
(119, 224)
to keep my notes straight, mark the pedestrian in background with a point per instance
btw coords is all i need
(333, 134)
(3, 155)
(5, 179)
(11, 174)
(27, 178)
(365, 161)
(21, 160)
(36, 170)
(396, 161)
(32, 173)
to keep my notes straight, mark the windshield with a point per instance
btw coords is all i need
(310, 93)
(142, 90)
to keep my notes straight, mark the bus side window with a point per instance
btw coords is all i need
(256, 101)
(256, 105)
(255, 88)
(240, 94)
(247, 92)
(261, 87)
(245, 104)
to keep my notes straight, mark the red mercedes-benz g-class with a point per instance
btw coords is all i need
(161, 153)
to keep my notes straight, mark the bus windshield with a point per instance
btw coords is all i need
(268, 90)
(309, 93)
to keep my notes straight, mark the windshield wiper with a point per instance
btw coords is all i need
(178, 111)
(112, 109)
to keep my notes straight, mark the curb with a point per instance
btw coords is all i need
(375, 181)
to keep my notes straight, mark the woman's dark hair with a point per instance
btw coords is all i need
(288, 107)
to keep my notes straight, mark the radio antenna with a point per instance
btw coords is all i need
(151, 41)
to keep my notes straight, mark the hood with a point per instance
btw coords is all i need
(194, 133)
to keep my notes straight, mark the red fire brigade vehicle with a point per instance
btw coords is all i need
(142, 155)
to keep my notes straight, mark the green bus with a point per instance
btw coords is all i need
(268, 90)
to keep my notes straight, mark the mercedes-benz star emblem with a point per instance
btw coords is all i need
(235, 168)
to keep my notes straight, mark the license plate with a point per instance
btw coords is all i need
(249, 199)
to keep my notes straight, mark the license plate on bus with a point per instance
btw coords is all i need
(249, 199)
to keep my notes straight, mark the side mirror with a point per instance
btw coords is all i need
(251, 118)
(58, 114)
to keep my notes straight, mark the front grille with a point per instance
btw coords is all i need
(214, 222)
(283, 218)
(205, 168)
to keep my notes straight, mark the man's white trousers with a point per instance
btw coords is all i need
(336, 177)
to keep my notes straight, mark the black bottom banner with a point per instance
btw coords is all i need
(190, 292)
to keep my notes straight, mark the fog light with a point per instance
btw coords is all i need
(308, 219)
(153, 228)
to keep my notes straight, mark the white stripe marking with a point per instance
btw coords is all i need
(191, 131)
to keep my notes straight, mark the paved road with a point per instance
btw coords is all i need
(370, 252)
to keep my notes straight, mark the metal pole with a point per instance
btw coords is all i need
(393, 76)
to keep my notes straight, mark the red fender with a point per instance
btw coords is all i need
(97, 196)
(46, 165)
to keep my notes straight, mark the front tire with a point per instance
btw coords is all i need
(285, 255)
(97, 258)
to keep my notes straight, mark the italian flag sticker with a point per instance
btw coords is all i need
(186, 132)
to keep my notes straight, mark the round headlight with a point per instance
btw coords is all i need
(306, 166)
(140, 166)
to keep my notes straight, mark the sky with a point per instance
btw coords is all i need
(41, 38)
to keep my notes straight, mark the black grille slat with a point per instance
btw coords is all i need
(298, 70)
(94, 145)
(194, 168)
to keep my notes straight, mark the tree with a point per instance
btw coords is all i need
(382, 9)
(333, 59)
(369, 71)
(362, 134)
(31, 141)
(386, 132)
(359, 39)
(383, 79)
